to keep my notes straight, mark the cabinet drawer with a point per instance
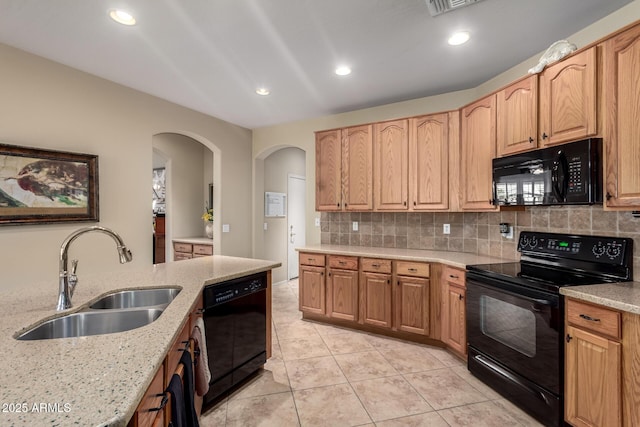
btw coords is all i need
(182, 247)
(343, 262)
(454, 275)
(376, 265)
(595, 318)
(406, 268)
(312, 259)
(179, 256)
(203, 249)
(147, 412)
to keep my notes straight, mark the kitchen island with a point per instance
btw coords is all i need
(97, 380)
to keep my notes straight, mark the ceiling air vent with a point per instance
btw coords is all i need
(438, 7)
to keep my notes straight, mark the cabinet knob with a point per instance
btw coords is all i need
(404, 203)
(544, 135)
(388, 282)
(530, 140)
(414, 203)
(338, 204)
(569, 338)
(460, 297)
(609, 196)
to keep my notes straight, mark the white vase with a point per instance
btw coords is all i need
(208, 229)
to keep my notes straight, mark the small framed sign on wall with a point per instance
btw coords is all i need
(274, 204)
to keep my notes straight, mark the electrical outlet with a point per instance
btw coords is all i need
(317, 222)
(509, 234)
(355, 225)
(225, 228)
(265, 226)
(446, 228)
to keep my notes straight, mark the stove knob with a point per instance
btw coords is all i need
(524, 241)
(598, 250)
(613, 251)
(534, 242)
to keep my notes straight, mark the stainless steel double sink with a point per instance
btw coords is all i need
(118, 311)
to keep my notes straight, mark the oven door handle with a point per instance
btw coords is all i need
(512, 291)
(503, 372)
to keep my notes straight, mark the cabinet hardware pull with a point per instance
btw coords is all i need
(453, 277)
(338, 204)
(413, 270)
(388, 282)
(414, 203)
(569, 338)
(609, 196)
(460, 297)
(589, 318)
(544, 135)
(163, 403)
(341, 262)
(398, 283)
(375, 265)
(530, 140)
(309, 259)
(404, 203)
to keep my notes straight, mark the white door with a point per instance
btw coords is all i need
(295, 221)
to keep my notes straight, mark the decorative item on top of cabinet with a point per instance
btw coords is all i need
(454, 322)
(517, 116)
(593, 371)
(429, 141)
(344, 163)
(375, 292)
(621, 104)
(478, 148)
(568, 99)
(311, 283)
(391, 165)
(412, 297)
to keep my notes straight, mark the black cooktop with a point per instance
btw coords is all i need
(551, 261)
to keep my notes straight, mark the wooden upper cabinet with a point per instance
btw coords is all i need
(391, 169)
(517, 117)
(357, 165)
(328, 170)
(429, 162)
(478, 148)
(621, 93)
(568, 99)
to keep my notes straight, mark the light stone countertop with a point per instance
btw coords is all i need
(194, 240)
(454, 259)
(96, 380)
(623, 296)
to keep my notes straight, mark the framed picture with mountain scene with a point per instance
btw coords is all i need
(43, 186)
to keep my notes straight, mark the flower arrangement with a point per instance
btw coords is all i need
(208, 214)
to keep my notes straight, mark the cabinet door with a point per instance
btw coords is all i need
(412, 305)
(357, 166)
(622, 105)
(568, 99)
(517, 117)
(328, 170)
(391, 170)
(593, 380)
(478, 150)
(311, 286)
(376, 299)
(343, 294)
(429, 162)
(456, 318)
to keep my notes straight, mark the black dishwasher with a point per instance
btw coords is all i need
(235, 318)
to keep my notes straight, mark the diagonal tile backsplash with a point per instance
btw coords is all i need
(471, 231)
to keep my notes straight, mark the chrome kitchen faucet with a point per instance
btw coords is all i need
(69, 279)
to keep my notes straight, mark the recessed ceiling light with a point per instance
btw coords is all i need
(263, 91)
(459, 38)
(122, 17)
(343, 70)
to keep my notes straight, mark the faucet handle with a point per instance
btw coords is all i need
(72, 277)
(74, 266)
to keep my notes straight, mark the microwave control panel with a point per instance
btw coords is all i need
(576, 175)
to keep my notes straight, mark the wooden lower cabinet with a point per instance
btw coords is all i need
(342, 294)
(412, 305)
(454, 320)
(311, 286)
(376, 299)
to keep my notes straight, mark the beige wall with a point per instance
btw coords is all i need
(277, 167)
(301, 133)
(48, 105)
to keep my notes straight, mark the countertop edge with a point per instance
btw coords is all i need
(623, 296)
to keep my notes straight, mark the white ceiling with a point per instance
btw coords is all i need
(211, 55)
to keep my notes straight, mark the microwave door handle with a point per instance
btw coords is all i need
(559, 177)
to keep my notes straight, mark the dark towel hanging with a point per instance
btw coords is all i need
(189, 390)
(178, 415)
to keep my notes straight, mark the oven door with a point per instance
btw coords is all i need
(520, 328)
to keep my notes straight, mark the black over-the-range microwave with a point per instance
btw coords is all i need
(567, 174)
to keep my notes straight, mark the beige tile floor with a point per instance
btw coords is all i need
(321, 375)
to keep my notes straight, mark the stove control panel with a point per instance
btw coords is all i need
(607, 250)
